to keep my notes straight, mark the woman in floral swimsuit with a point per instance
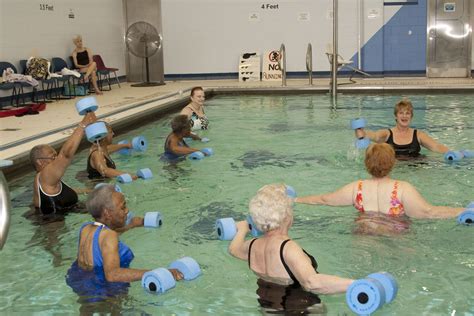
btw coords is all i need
(381, 195)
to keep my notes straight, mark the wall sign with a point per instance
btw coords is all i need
(46, 7)
(270, 6)
(450, 7)
(303, 16)
(271, 70)
(254, 17)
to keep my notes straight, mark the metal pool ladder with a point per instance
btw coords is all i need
(309, 63)
(283, 69)
(4, 204)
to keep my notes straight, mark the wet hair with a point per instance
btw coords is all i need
(379, 159)
(180, 123)
(403, 105)
(35, 153)
(270, 207)
(196, 89)
(99, 200)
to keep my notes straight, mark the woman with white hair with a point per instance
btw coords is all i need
(288, 276)
(82, 57)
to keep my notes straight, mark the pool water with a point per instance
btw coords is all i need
(301, 140)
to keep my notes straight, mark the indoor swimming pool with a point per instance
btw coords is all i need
(301, 140)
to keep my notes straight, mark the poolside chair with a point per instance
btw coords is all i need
(16, 87)
(101, 67)
(102, 73)
(341, 63)
(5, 86)
(81, 80)
(47, 85)
(57, 64)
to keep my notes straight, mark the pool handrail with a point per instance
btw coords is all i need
(309, 63)
(282, 65)
(4, 204)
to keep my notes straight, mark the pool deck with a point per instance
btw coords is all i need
(127, 105)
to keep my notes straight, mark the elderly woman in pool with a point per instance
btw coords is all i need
(99, 163)
(102, 257)
(381, 194)
(405, 140)
(195, 110)
(287, 273)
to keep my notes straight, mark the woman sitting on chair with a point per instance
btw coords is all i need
(82, 57)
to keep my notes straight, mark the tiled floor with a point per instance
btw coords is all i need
(19, 134)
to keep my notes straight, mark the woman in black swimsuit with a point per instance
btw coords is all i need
(99, 162)
(288, 279)
(405, 140)
(82, 57)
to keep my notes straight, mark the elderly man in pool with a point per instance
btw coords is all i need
(102, 265)
(50, 194)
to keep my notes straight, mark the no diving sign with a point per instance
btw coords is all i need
(271, 69)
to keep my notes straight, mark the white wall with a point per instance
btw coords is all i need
(208, 38)
(26, 30)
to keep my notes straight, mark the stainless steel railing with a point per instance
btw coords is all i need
(4, 205)
(309, 63)
(282, 64)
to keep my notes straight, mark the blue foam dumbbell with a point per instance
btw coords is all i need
(467, 217)
(96, 131)
(124, 178)
(117, 187)
(152, 219)
(139, 143)
(290, 191)
(358, 123)
(468, 153)
(145, 173)
(158, 281)
(226, 228)
(363, 142)
(197, 155)
(207, 151)
(124, 151)
(130, 215)
(365, 296)
(86, 105)
(188, 267)
(453, 155)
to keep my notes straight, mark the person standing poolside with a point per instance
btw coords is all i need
(99, 163)
(381, 194)
(175, 147)
(50, 194)
(82, 57)
(102, 265)
(288, 276)
(405, 140)
(195, 110)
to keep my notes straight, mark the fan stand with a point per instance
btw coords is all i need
(148, 83)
